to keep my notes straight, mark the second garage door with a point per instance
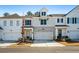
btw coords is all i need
(43, 35)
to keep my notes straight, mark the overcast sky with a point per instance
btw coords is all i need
(20, 9)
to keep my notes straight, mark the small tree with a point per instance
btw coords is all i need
(6, 14)
(29, 13)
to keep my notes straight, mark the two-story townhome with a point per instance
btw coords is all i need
(41, 26)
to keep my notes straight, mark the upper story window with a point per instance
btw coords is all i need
(27, 22)
(68, 20)
(60, 20)
(17, 23)
(43, 21)
(71, 20)
(43, 13)
(11, 22)
(5, 23)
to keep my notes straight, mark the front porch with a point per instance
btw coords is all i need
(28, 32)
(60, 31)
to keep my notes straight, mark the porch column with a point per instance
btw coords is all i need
(56, 33)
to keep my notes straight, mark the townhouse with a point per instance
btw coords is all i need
(41, 26)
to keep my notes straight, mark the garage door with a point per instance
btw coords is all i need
(74, 34)
(43, 35)
(11, 36)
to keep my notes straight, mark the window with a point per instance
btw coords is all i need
(43, 13)
(43, 22)
(5, 23)
(17, 23)
(58, 20)
(27, 22)
(72, 20)
(67, 20)
(62, 20)
(11, 23)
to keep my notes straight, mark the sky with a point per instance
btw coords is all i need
(23, 9)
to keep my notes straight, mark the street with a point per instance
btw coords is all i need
(66, 49)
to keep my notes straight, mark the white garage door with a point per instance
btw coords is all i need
(74, 34)
(43, 35)
(11, 36)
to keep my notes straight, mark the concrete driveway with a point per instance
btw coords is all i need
(46, 44)
(35, 44)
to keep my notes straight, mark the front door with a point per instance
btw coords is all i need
(60, 33)
(29, 33)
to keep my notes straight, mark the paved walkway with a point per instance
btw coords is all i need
(46, 44)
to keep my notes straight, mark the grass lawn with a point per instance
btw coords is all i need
(70, 43)
(22, 45)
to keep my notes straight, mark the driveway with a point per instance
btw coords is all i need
(35, 44)
(46, 44)
(6, 43)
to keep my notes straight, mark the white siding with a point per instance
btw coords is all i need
(11, 32)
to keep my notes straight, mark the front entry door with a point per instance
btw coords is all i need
(60, 33)
(28, 32)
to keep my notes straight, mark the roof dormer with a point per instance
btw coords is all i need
(43, 12)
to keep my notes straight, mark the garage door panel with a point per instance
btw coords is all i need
(74, 34)
(43, 35)
(11, 36)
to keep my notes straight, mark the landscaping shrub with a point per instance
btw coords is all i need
(67, 39)
(24, 40)
(58, 38)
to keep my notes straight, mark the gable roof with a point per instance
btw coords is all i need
(72, 9)
(12, 16)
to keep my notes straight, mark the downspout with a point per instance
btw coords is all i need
(23, 19)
